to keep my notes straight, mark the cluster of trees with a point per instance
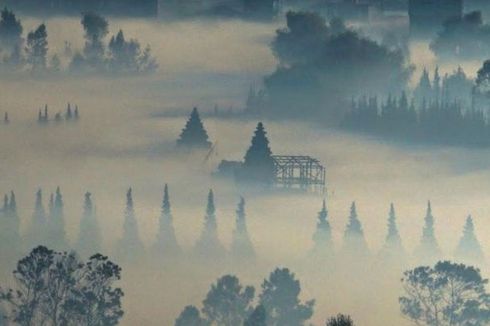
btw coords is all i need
(435, 122)
(465, 37)
(47, 228)
(444, 295)
(326, 63)
(69, 115)
(454, 87)
(32, 53)
(58, 288)
(229, 303)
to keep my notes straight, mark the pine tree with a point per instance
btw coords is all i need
(56, 222)
(38, 230)
(208, 244)
(423, 91)
(428, 249)
(436, 85)
(194, 135)
(130, 248)
(258, 165)
(166, 245)
(69, 114)
(89, 239)
(10, 240)
(322, 237)
(469, 248)
(241, 247)
(354, 242)
(393, 239)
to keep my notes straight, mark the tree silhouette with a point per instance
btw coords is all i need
(280, 298)
(423, 91)
(96, 29)
(241, 246)
(228, 303)
(57, 223)
(130, 247)
(208, 245)
(37, 48)
(166, 245)
(258, 165)
(56, 288)
(9, 231)
(38, 229)
(340, 320)
(393, 247)
(258, 317)
(446, 294)
(10, 30)
(354, 242)
(428, 249)
(89, 238)
(322, 237)
(194, 136)
(190, 316)
(469, 248)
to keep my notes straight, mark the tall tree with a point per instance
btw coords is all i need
(166, 245)
(444, 295)
(354, 242)
(96, 29)
(194, 135)
(56, 222)
(469, 248)
(89, 238)
(280, 298)
(258, 165)
(130, 248)
(393, 243)
(241, 246)
(10, 239)
(322, 237)
(428, 250)
(228, 303)
(10, 30)
(37, 48)
(38, 229)
(208, 245)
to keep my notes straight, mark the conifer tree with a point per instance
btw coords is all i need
(428, 249)
(469, 248)
(38, 230)
(89, 239)
(258, 165)
(10, 240)
(57, 222)
(423, 91)
(354, 242)
(194, 136)
(322, 237)
(69, 114)
(241, 246)
(166, 245)
(436, 85)
(130, 248)
(393, 239)
(208, 244)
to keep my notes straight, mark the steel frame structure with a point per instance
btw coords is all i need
(299, 171)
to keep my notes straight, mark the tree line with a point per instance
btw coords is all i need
(31, 52)
(436, 122)
(47, 228)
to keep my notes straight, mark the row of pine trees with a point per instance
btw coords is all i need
(47, 228)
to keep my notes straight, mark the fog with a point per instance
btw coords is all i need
(124, 139)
